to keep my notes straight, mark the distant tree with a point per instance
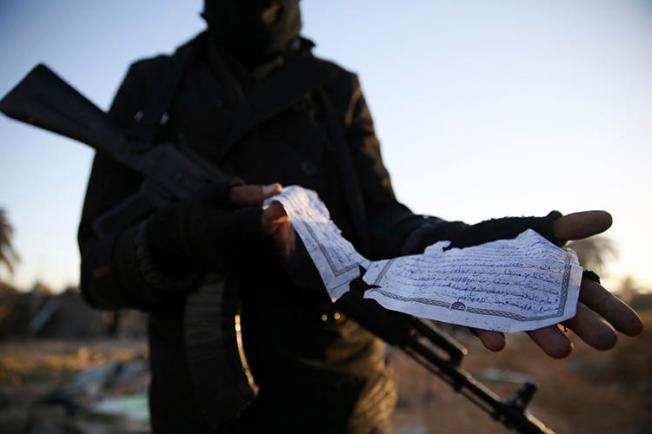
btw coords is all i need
(628, 289)
(595, 252)
(8, 256)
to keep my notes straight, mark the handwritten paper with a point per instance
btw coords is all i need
(336, 259)
(507, 285)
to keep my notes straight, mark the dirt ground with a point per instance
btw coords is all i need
(590, 392)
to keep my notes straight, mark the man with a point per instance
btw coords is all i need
(249, 96)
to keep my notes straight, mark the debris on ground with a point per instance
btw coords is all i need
(98, 389)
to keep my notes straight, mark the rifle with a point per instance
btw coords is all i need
(172, 172)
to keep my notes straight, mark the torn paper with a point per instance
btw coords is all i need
(336, 259)
(507, 285)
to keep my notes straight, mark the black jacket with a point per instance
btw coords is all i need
(318, 370)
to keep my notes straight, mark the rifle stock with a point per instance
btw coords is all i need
(46, 101)
(172, 172)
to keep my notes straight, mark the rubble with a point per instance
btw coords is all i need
(98, 389)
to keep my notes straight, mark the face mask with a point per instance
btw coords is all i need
(253, 29)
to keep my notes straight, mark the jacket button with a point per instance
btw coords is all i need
(309, 168)
(331, 317)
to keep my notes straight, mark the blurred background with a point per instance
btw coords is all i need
(485, 108)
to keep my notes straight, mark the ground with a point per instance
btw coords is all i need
(590, 392)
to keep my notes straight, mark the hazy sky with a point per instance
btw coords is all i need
(485, 108)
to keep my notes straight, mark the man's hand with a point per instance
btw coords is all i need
(274, 221)
(599, 313)
(252, 195)
(277, 224)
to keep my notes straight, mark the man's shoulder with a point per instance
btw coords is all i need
(157, 64)
(341, 72)
(344, 84)
(150, 72)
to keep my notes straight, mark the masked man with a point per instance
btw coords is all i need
(249, 96)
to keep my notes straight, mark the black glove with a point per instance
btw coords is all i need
(505, 228)
(461, 235)
(204, 231)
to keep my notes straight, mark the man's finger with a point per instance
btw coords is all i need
(273, 217)
(613, 309)
(284, 241)
(284, 238)
(581, 225)
(552, 341)
(248, 195)
(592, 329)
(494, 341)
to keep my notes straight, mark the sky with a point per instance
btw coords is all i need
(485, 108)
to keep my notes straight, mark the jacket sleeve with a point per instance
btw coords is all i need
(393, 228)
(117, 270)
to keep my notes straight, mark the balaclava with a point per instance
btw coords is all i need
(253, 30)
